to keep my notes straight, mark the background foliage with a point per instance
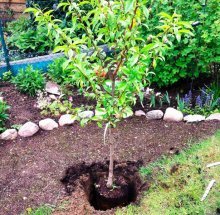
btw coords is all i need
(185, 60)
(189, 58)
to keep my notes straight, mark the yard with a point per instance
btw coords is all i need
(110, 107)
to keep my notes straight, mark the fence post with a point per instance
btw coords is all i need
(4, 47)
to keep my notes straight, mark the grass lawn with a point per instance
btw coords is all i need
(179, 182)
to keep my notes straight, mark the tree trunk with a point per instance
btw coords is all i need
(111, 162)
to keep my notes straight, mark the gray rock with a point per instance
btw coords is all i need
(53, 97)
(139, 113)
(9, 134)
(214, 116)
(28, 129)
(173, 115)
(66, 119)
(154, 114)
(48, 124)
(52, 88)
(86, 114)
(194, 118)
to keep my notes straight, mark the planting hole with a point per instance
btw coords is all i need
(93, 178)
(123, 193)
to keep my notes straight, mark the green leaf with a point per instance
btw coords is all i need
(165, 15)
(31, 10)
(129, 4)
(148, 47)
(134, 59)
(59, 49)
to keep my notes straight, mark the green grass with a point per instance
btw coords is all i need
(179, 192)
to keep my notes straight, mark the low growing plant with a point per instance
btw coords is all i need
(29, 81)
(115, 80)
(205, 103)
(7, 76)
(58, 74)
(3, 114)
(58, 106)
(16, 126)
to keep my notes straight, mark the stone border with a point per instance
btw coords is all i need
(29, 128)
(171, 115)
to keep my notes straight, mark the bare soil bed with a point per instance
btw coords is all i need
(31, 168)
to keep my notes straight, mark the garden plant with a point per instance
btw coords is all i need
(4, 107)
(117, 80)
(29, 81)
(185, 60)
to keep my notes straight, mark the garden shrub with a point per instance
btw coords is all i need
(19, 25)
(7, 76)
(57, 73)
(3, 114)
(31, 40)
(190, 57)
(29, 81)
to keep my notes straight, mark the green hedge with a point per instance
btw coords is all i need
(190, 57)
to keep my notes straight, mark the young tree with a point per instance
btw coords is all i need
(117, 79)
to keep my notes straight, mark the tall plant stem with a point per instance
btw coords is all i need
(111, 162)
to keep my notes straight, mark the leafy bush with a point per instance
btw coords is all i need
(3, 114)
(190, 57)
(57, 73)
(19, 25)
(29, 81)
(31, 39)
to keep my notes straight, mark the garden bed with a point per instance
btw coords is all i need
(46, 161)
(31, 168)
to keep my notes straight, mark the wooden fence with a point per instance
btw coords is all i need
(11, 9)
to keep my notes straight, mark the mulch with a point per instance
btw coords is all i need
(31, 168)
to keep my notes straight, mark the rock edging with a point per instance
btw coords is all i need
(171, 115)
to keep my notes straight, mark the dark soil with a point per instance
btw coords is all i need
(31, 168)
(22, 106)
(127, 183)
